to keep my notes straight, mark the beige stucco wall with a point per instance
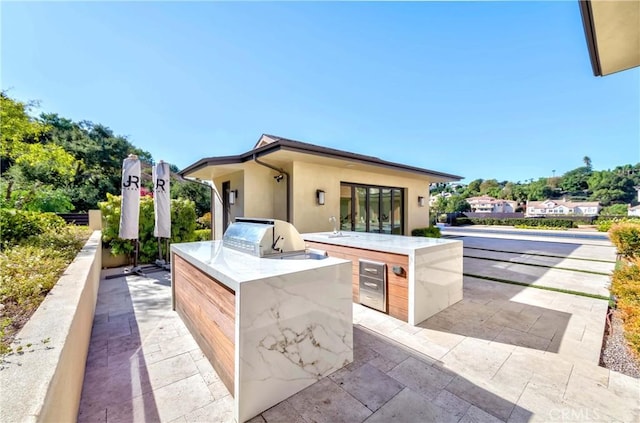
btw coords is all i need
(259, 195)
(237, 181)
(307, 216)
(45, 383)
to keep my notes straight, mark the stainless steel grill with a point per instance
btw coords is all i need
(268, 238)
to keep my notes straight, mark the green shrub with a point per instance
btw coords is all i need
(203, 234)
(625, 285)
(458, 221)
(183, 225)
(603, 225)
(204, 221)
(28, 272)
(430, 232)
(626, 237)
(531, 222)
(19, 225)
(554, 228)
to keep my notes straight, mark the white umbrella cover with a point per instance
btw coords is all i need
(161, 200)
(130, 208)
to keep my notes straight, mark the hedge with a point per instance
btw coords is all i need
(626, 237)
(604, 225)
(430, 232)
(556, 223)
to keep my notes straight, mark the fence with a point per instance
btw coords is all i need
(79, 219)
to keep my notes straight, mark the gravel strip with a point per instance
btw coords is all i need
(615, 352)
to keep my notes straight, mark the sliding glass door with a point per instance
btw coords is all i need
(366, 208)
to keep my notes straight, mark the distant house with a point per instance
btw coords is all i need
(486, 204)
(634, 211)
(562, 208)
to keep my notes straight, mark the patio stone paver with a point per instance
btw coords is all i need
(504, 353)
(326, 402)
(409, 406)
(368, 385)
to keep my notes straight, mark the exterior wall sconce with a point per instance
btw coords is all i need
(320, 197)
(421, 201)
(233, 194)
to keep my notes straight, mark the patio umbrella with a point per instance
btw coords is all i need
(161, 201)
(162, 207)
(130, 207)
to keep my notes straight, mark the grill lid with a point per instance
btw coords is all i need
(263, 237)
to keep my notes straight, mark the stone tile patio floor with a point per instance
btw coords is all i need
(505, 353)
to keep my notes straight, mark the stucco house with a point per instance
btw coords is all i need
(562, 207)
(634, 211)
(306, 184)
(486, 204)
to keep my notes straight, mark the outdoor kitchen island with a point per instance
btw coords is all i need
(410, 278)
(269, 326)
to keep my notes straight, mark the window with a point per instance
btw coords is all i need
(365, 208)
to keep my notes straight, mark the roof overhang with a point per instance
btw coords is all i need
(612, 30)
(281, 151)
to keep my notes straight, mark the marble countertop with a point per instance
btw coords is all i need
(379, 242)
(233, 267)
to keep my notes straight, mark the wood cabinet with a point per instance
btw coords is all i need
(397, 284)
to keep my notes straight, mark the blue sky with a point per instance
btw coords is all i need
(483, 90)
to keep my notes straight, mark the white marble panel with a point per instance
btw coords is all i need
(437, 281)
(233, 268)
(291, 330)
(397, 244)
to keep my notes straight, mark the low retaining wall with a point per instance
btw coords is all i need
(43, 383)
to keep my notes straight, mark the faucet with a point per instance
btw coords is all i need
(334, 221)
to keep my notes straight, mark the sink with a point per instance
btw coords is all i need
(301, 256)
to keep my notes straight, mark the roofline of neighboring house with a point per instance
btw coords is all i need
(306, 148)
(589, 34)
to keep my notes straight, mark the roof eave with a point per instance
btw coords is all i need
(305, 148)
(590, 36)
(209, 161)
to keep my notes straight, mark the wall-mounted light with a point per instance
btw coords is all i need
(421, 201)
(233, 194)
(320, 197)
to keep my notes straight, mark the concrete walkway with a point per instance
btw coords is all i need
(505, 353)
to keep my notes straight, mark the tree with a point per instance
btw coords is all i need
(576, 180)
(456, 203)
(200, 194)
(615, 210)
(490, 187)
(99, 154)
(587, 162)
(473, 189)
(539, 190)
(439, 206)
(28, 161)
(611, 187)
